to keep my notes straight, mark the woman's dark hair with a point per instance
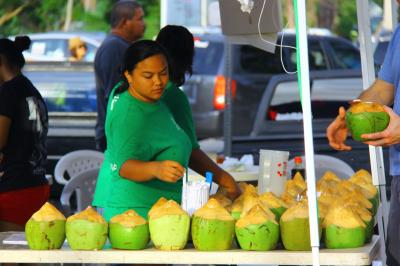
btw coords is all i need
(179, 43)
(136, 53)
(12, 50)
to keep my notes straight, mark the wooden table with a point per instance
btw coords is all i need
(22, 254)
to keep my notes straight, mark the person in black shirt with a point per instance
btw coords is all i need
(23, 131)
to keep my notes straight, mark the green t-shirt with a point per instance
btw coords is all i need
(178, 104)
(141, 131)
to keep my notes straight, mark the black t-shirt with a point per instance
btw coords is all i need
(24, 155)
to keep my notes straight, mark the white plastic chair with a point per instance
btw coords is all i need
(83, 185)
(324, 163)
(76, 162)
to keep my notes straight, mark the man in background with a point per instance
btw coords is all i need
(127, 26)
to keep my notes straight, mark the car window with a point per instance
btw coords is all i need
(327, 95)
(207, 57)
(345, 56)
(380, 52)
(65, 91)
(91, 52)
(316, 57)
(256, 61)
(48, 47)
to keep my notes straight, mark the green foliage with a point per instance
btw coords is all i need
(152, 17)
(36, 16)
(346, 18)
(49, 15)
(97, 20)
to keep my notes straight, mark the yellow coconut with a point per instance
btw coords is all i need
(257, 230)
(169, 226)
(344, 228)
(295, 229)
(213, 228)
(129, 230)
(86, 230)
(274, 203)
(46, 228)
(161, 201)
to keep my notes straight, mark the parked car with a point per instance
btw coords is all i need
(380, 49)
(252, 69)
(70, 94)
(278, 121)
(53, 46)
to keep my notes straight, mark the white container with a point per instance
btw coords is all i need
(272, 174)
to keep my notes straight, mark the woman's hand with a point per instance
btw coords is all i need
(169, 171)
(390, 136)
(337, 132)
(229, 184)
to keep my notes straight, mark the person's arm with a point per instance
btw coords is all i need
(140, 171)
(5, 123)
(201, 163)
(380, 92)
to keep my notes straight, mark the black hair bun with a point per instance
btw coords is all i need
(22, 43)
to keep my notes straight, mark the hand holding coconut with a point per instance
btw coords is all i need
(366, 117)
(337, 132)
(366, 121)
(389, 136)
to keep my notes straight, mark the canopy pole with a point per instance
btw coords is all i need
(303, 74)
(228, 101)
(375, 153)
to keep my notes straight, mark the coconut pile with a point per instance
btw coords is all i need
(346, 210)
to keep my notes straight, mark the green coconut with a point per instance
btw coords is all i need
(129, 231)
(169, 226)
(366, 117)
(237, 207)
(365, 215)
(295, 228)
(86, 230)
(275, 204)
(257, 230)
(351, 193)
(344, 228)
(46, 228)
(363, 179)
(213, 228)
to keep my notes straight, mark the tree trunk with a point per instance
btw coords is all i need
(68, 17)
(89, 5)
(311, 13)
(290, 14)
(9, 15)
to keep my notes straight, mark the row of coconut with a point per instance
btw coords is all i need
(346, 209)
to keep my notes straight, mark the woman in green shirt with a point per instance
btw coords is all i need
(179, 43)
(147, 151)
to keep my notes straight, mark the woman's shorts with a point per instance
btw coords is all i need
(18, 206)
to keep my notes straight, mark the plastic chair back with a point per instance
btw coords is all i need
(83, 185)
(76, 162)
(324, 163)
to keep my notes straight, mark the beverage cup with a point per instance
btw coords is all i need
(272, 171)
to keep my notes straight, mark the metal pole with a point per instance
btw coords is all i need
(304, 83)
(228, 101)
(204, 13)
(375, 153)
(389, 10)
(164, 13)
